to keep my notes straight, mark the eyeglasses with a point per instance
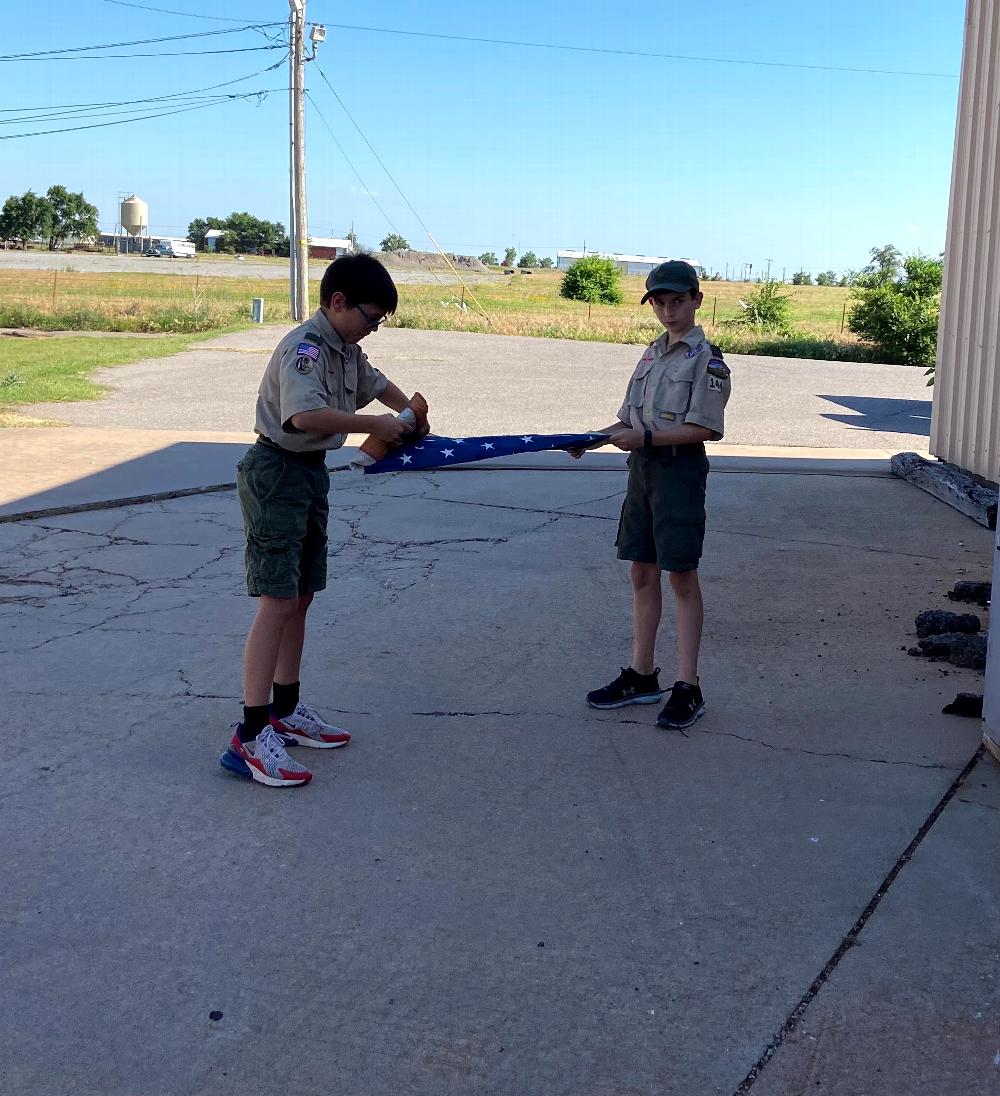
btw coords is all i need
(373, 324)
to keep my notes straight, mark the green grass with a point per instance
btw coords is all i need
(518, 304)
(57, 370)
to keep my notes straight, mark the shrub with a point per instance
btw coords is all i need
(900, 316)
(766, 309)
(595, 280)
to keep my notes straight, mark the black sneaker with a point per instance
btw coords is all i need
(686, 704)
(629, 687)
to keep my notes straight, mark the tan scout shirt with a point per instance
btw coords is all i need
(313, 369)
(686, 383)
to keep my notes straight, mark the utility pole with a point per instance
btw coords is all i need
(767, 276)
(298, 229)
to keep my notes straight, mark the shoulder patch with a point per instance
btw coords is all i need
(303, 364)
(718, 368)
(308, 350)
(311, 336)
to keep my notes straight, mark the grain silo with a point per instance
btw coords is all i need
(133, 216)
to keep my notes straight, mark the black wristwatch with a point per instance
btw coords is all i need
(647, 439)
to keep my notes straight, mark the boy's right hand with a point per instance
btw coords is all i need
(389, 428)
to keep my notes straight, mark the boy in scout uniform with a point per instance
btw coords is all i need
(674, 404)
(316, 380)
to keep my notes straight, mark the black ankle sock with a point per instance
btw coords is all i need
(255, 719)
(285, 699)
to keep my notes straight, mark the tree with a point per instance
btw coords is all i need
(509, 256)
(800, 277)
(545, 263)
(900, 316)
(827, 277)
(849, 277)
(489, 258)
(595, 280)
(352, 239)
(394, 242)
(251, 234)
(71, 215)
(886, 263)
(25, 218)
(528, 259)
(199, 228)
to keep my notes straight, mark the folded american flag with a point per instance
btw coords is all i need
(437, 452)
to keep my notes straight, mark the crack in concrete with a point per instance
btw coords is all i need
(824, 753)
(851, 937)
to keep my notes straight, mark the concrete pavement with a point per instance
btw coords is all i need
(494, 889)
(491, 384)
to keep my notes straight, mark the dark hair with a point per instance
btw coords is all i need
(362, 279)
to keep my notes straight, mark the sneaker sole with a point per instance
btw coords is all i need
(680, 726)
(302, 740)
(649, 698)
(238, 767)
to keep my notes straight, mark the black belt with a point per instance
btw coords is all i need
(312, 457)
(691, 447)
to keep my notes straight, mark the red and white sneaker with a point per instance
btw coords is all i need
(306, 727)
(264, 760)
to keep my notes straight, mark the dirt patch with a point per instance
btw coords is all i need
(430, 260)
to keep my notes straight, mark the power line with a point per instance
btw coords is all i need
(128, 56)
(364, 186)
(169, 11)
(350, 164)
(641, 53)
(144, 118)
(56, 107)
(409, 204)
(138, 42)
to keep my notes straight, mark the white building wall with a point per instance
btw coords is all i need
(965, 424)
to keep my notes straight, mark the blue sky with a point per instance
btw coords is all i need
(498, 145)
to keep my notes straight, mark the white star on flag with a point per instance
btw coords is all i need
(431, 453)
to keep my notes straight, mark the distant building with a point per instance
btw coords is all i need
(326, 247)
(212, 237)
(627, 264)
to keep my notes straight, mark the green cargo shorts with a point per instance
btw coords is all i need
(663, 516)
(285, 510)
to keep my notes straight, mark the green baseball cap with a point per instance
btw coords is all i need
(674, 276)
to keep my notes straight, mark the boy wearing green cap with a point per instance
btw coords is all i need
(675, 402)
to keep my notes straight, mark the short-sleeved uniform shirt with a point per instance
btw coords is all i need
(311, 369)
(663, 516)
(687, 383)
(282, 481)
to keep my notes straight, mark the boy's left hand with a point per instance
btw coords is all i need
(627, 440)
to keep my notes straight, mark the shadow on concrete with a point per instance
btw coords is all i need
(181, 468)
(883, 413)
